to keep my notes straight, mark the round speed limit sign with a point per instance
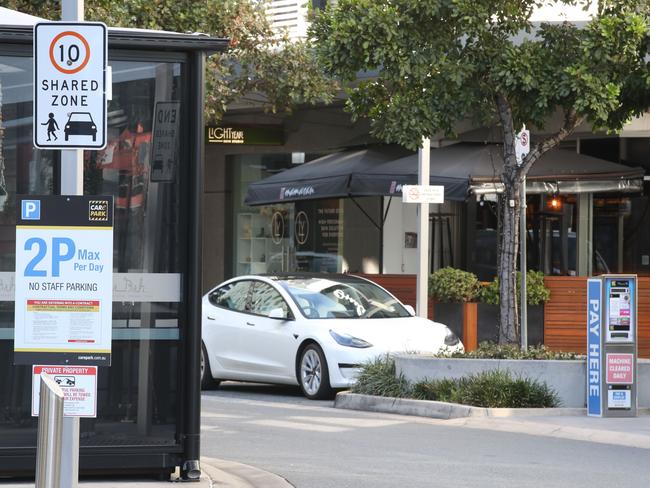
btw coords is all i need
(69, 52)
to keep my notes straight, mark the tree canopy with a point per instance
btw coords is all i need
(437, 63)
(258, 60)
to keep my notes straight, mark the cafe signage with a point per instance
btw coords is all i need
(271, 135)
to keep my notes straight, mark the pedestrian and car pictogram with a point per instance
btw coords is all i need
(70, 85)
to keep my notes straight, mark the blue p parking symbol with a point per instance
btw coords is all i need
(31, 210)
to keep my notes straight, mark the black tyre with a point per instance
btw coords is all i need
(207, 381)
(313, 374)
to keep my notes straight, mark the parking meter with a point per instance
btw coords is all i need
(612, 346)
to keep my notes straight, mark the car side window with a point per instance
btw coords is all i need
(233, 296)
(266, 298)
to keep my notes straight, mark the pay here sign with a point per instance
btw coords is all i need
(70, 85)
(64, 280)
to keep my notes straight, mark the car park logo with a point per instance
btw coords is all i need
(98, 210)
(31, 210)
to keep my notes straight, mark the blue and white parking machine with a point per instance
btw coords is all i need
(612, 346)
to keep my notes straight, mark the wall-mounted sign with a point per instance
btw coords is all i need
(164, 143)
(302, 228)
(70, 85)
(277, 228)
(64, 280)
(250, 136)
(79, 386)
(423, 194)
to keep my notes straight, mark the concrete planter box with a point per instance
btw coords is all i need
(567, 378)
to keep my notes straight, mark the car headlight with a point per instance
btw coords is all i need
(349, 341)
(451, 339)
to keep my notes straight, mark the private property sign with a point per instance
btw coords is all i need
(70, 85)
(79, 386)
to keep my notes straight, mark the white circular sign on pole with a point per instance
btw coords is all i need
(70, 61)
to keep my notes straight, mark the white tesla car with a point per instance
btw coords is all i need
(310, 330)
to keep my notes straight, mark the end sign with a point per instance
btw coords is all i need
(70, 85)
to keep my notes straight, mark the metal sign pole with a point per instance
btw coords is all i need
(522, 266)
(71, 184)
(422, 300)
(49, 443)
(522, 148)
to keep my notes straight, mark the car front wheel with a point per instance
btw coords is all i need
(313, 373)
(207, 381)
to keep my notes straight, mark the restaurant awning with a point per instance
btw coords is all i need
(461, 168)
(342, 175)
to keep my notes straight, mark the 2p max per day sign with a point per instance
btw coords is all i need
(64, 280)
(70, 85)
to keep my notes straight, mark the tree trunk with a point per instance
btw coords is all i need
(509, 229)
(509, 205)
(507, 268)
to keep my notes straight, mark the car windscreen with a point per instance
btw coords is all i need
(326, 298)
(80, 117)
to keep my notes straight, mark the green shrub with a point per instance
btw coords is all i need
(453, 285)
(499, 389)
(441, 390)
(378, 377)
(536, 291)
(490, 350)
(491, 389)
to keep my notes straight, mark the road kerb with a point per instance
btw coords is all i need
(446, 411)
(229, 474)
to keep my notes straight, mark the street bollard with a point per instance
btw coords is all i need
(50, 427)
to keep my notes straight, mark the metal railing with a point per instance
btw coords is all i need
(50, 427)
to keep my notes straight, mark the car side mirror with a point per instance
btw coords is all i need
(410, 310)
(279, 313)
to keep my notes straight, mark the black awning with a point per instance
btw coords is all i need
(326, 177)
(387, 180)
(460, 168)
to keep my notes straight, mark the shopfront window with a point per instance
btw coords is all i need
(140, 168)
(27, 171)
(300, 236)
(551, 238)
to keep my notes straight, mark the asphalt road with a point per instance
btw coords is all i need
(313, 445)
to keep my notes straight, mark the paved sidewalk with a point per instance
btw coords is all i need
(566, 423)
(630, 432)
(217, 473)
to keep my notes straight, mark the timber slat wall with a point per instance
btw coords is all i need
(565, 315)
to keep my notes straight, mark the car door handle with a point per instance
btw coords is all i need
(211, 318)
(251, 324)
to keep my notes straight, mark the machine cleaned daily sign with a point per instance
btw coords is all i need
(64, 277)
(70, 85)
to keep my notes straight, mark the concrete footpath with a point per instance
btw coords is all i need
(565, 423)
(217, 473)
